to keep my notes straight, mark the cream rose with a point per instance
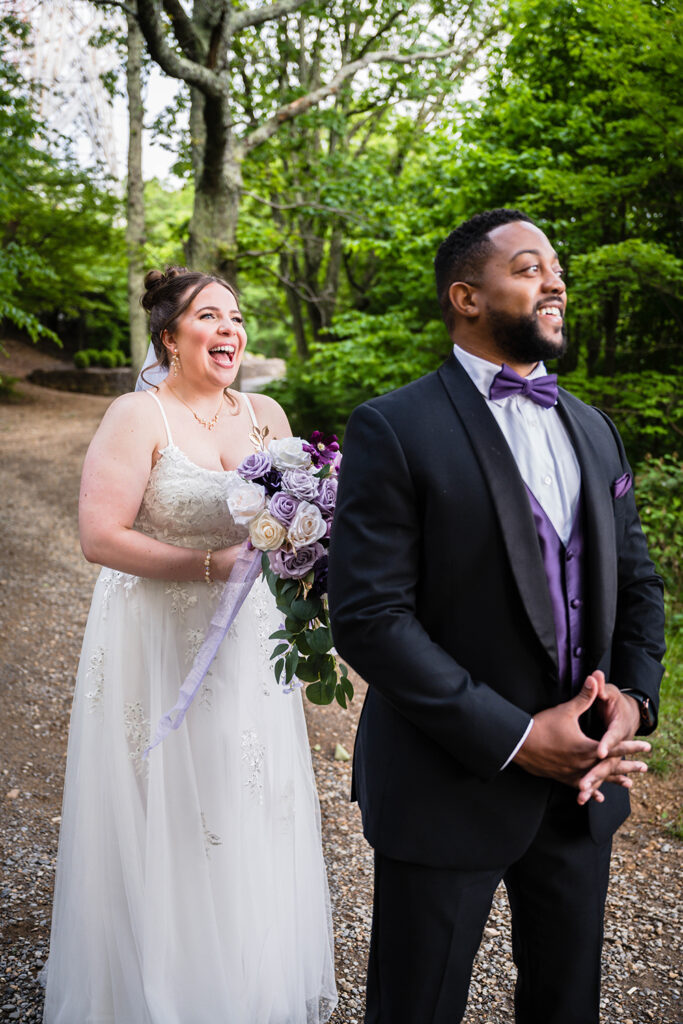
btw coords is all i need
(266, 533)
(245, 501)
(289, 453)
(307, 526)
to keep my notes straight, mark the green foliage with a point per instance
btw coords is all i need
(62, 257)
(659, 492)
(667, 742)
(108, 358)
(572, 129)
(303, 652)
(377, 354)
(647, 407)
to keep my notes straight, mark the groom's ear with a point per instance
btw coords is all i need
(463, 298)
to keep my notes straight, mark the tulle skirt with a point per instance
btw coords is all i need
(190, 886)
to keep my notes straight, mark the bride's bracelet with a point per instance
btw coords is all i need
(207, 566)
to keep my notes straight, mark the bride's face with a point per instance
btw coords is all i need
(210, 337)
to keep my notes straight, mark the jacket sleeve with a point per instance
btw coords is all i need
(374, 570)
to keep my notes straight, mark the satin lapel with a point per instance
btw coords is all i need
(509, 499)
(601, 561)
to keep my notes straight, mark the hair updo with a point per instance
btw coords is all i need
(166, 297)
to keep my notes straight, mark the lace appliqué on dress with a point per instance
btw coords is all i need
(112, 580)
(252, 759)
(95, 673)
(210, 838)
(181, 596)
(137, 733)
(264, 627)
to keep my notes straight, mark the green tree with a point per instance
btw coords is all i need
(581, 125)
(62, 253)
(240, 97)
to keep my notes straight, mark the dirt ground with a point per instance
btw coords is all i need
(45, 587)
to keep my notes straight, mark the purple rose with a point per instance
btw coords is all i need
(253, 467)
(319, 586)
(271, 481)
(327, 496)
(295, 564)
(301, 484)
(283, 507)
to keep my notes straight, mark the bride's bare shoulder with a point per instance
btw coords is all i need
(269, 413)
(133, 413)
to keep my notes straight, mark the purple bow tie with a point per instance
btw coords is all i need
(542, 390)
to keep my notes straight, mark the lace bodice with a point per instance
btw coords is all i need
(186, 505)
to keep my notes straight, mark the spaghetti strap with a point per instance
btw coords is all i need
(250, 407)
(158, 401)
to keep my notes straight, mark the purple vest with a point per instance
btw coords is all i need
(564, 569)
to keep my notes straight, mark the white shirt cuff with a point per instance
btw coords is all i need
(519, 745)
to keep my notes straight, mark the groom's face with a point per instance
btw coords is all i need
(523, 297)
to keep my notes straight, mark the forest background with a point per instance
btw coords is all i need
(323, 149)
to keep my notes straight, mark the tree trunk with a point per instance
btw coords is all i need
(135, 200)
(217, 158)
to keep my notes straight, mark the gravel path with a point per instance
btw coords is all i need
(45, 588)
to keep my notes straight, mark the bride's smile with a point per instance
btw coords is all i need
(209, 339)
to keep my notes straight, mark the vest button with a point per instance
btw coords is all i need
(578, 651)
(569, 555)
(575, 602)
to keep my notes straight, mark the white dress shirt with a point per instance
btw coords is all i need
(541, 448)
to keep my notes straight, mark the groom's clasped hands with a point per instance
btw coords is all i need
(557, 748)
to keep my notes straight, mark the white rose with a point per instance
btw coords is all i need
(245, 501)
(307, 526)
(266, 533)
(289, 453)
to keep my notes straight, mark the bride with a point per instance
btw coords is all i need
(190, 885)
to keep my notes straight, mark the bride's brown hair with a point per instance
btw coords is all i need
(166, 297)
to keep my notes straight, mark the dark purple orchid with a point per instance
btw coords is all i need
(323, 448)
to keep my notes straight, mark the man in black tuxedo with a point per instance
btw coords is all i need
(490, 580)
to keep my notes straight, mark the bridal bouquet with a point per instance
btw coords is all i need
(286, 495)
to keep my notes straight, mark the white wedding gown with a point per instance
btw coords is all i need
(190, 887)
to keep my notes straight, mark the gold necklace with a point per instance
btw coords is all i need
(207, 424)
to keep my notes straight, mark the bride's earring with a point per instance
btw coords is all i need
(175, 363)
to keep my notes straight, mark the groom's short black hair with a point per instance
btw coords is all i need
(461, 256)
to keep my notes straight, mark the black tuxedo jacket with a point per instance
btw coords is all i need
(439, 599)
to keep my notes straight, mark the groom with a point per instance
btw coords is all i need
(490, 580)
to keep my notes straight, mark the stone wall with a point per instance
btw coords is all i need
(95, 380)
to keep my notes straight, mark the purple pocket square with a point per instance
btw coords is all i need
(622, 485)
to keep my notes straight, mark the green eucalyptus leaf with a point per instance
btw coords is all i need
(320, 640)
(318, 694)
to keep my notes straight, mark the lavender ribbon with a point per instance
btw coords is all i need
(245, 570)
(542, 390)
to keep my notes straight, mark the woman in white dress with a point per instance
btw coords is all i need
(190, 885)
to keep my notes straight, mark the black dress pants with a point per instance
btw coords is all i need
(428, 924)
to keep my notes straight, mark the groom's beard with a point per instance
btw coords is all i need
(520, 340)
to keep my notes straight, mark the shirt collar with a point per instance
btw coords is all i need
(482, 372)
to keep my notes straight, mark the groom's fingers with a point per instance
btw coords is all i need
(615, 770)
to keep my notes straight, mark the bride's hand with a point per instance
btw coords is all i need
(223, 560)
